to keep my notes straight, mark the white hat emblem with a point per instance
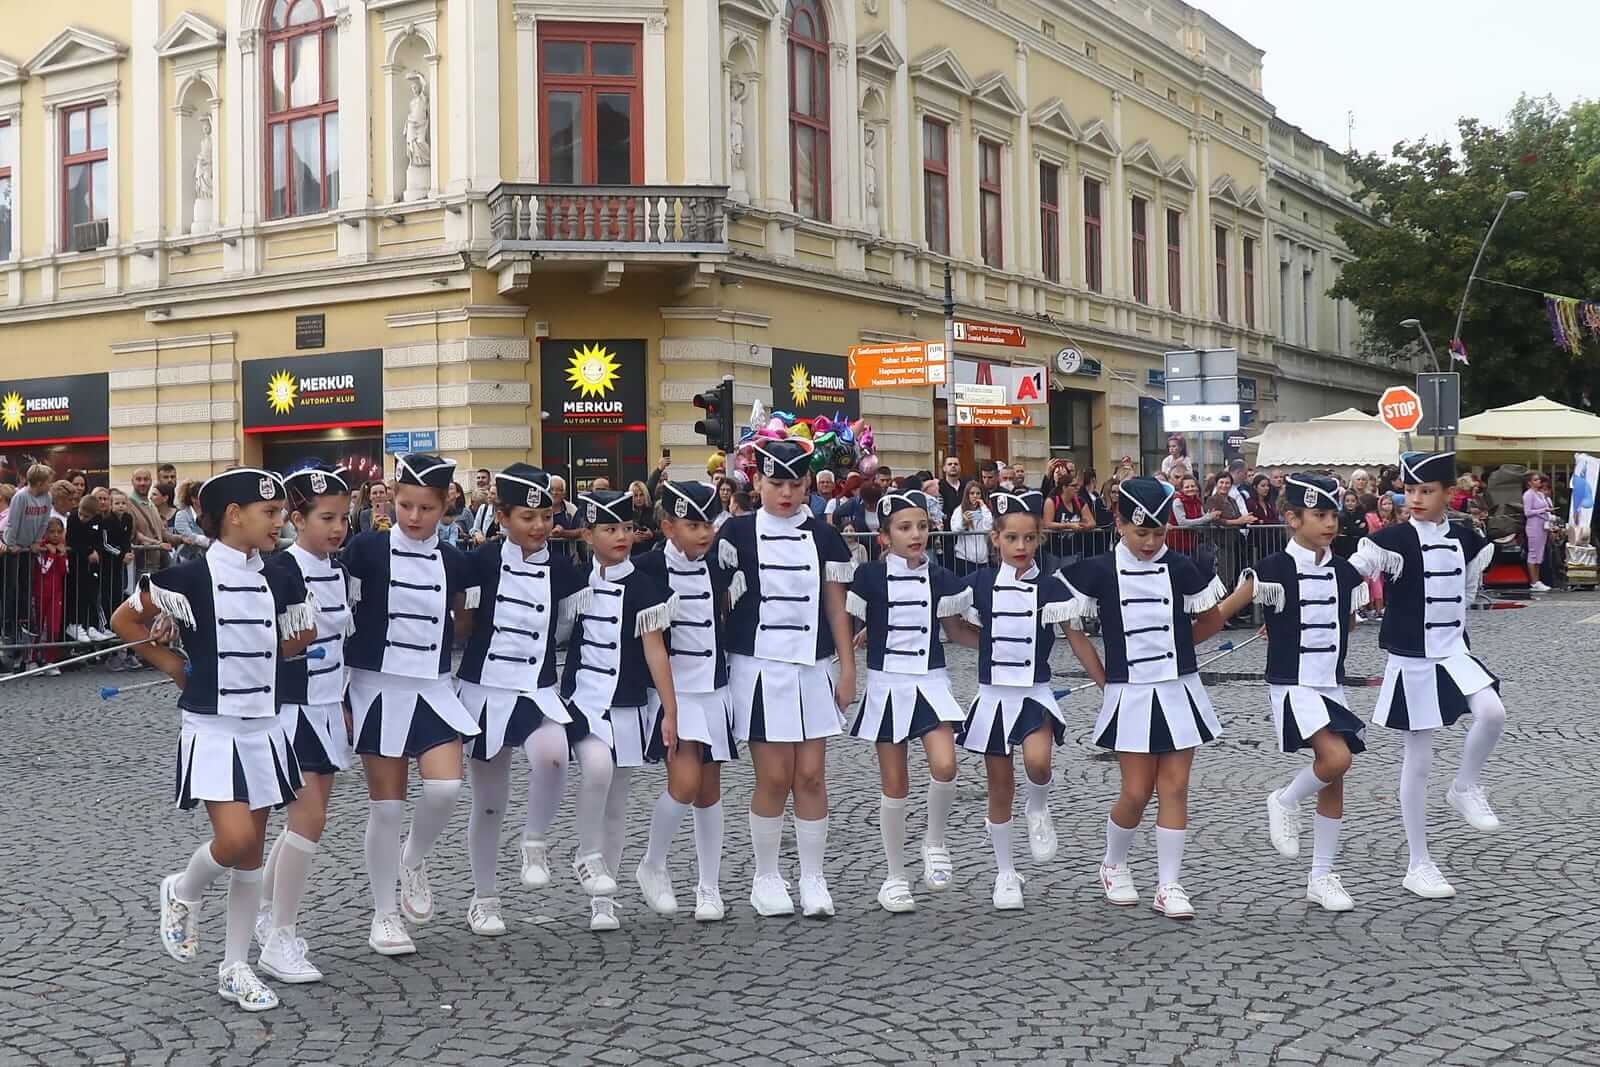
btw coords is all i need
(319, 482)
(533, 496)
(1139, 515)
(266, 488)
(1002, 504)
(768, 467)
(1311, 498)
(594, 513)
(682, 507)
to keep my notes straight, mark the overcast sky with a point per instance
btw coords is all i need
(1408, 68)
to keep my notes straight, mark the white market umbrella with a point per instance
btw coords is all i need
(1537, 425)
(1347, 438)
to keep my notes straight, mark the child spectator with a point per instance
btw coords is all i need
(49, 590)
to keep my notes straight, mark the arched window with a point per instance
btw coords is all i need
(810, 175)
(302, 96)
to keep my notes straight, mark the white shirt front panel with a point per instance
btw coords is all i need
(325, 582)
(694, 629)
(247, 633)
(522, 618)
(600, 657)
(791, 589)
(910, 607)
(417, 604)
(1144, 597)
(1014, 626)
(1444, 589)
(1319, 617)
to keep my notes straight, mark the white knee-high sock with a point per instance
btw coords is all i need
(428, 818)
(547, 777)
(892, 824)
(766, 834)
(617, 818)
(1324, 844)
(1119, 839)
(384, 818)
(1169, 854)
(1301, 786)
(200, 875)
(491, 791)
(664, 822)
(708, 844)
(1414, 766)
(811, 842)
(244, 899)
(1000, 839)
(270, 871)
(295, 854)
(589, 814)
(941, 798)
(1488, 723)
(1038, 795)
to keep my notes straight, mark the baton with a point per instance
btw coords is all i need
(109, 691)
(1227, 648)
(76, 659)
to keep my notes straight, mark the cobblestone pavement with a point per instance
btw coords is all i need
(1505, 973)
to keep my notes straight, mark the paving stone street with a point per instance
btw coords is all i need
(1504, 973)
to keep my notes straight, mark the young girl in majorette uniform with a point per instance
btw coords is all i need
(1155, 713)
(1016, 607)
(1432, 570)
(236, 619)
(507, 676)
(401, 698)
(904, 599)
(787, 575)
(697, 647)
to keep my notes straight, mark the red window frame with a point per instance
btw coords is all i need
(90, 155)
(5, 175)
(1247, 264)
(1050, 220)
(324, 107)
(591, 86)
(1093, 272)
(1222, 273)
(812, 50)
(1141, 255)
(1175, 260)
(991, 246)
(936, 174)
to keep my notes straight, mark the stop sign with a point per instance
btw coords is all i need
(1400, 409)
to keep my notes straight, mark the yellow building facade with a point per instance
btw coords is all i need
(260, 231)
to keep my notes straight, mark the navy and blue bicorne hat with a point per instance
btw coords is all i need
(695, 501)
(313, 482)
(1144, 501)
(1026, 501)
(420, 469)
(1311, 491)
(600, 507)
(241, 485)
(523, 485)
(789, 458)
(900, 500)
(1419, 467)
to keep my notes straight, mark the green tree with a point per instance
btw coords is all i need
(1434, 204)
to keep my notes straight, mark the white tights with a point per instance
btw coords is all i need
(1488, 723)
(547, 756)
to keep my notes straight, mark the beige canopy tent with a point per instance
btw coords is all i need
(1342, 441)
(1522, 432)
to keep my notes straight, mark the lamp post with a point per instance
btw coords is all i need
(1414, 324)
(1514, 196)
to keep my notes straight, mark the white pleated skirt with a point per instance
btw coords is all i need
(1002, 715)
(703, 717)
(776, 701)
(321, 738)
(1156, 717)
(1425, 694)
(399, 716)
(506, 717)
(1298, 711)
(223, 758)
(633, 728)
(897, 707)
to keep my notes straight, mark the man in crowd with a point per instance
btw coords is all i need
(25, 523)
(482, 527)
(167, 479)
(149, 530)
(482, 479)
(884, 479)
(564, 525)
(989, 478)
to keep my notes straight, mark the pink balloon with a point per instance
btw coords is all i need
(868, 466)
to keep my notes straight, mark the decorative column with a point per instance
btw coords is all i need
(527, 98)
(1119, 234)
(779, 197)
(655, 88)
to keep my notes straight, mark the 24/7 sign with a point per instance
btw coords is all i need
(1400, 409)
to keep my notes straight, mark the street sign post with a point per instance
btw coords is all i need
(891, 366)
(1400, 409)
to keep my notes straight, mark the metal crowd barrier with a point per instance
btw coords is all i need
(54, 605)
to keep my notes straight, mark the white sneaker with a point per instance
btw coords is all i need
(1426, 881)
(483, 915)
(1539, 587)
(708, 904)
(895, 896)
(76, 633)
(815, 900)
(1008, 891)
(416, 897)
(389, 937)
(180, 931)
(284, 957)
(655, 883)
(100, 633)
(535, 863)
(1117, 881)
(938, 871)
(1041, 836)
(1474, 807)
(239, 984)
(593, 878)
(51, 672)
(1173, 902)
(769, 896)
(1283, 825)
(263, 929)
(603, 914)
(1329, 892)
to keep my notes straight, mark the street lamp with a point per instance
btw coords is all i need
(1414, 324)
(1514, 196)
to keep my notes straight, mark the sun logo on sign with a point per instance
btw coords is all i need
(11, 411)
(799, 386)
(593, 371)
(281, 392)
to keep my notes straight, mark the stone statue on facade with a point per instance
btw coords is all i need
(737, 91)
(419, 154)
(204, 181)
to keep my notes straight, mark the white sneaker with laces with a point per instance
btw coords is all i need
(483, 916)
(1117, 881)
(656, 885)
(1283, 825)
(815, 900)
(1426, 881)
(603, 914)
(895, 896)
(100, 633)
(769, 896)
(535, 863)
(1008, 891)
(1539, 587)
(180, 933)
(76, 633)
(263, 929)
(1173, 902)
(1473, 806)
(593, 878)
(239, 984)
(708, 906)
(1329, 892)
(284, 957)
(938, 871)
(52, 672)
(389, 936)
(1041, 836)
(416, 896)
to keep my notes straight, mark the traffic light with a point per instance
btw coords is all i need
(717, 426)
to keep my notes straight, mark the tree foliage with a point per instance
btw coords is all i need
(1435, 203)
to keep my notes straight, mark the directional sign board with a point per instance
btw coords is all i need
(1200, 418)
(994, 416)
(969, 394)
(989, 333)
(1400, 409)
(890, 366)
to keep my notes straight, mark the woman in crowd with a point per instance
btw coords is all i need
(971, 523)
(1260, 503)
(725, 490)
(86, 541)
(191, 541)
(1461, 496)
(1352, 525)
(646, 522)
(1536, 510)
(1188, 510)
(1066, 512)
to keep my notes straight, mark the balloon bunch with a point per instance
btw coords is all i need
(837, 444)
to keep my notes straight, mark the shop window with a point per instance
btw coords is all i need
(1091, 235)
(936, 185)
(1222, 273)
(592, 101)
(85, 176)
(8, 149)
(302, 95)
(991, 234)
(1175, 260)
(810, 174)
(1141, 255)
(1050, 220)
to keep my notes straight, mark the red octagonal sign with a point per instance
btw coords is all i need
(1400, 409)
